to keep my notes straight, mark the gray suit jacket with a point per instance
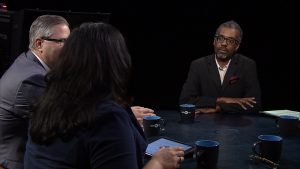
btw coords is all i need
(20, 86)
(203, 84)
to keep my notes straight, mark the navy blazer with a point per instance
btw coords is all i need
(115, 141)
(203, 85)
(20, 86)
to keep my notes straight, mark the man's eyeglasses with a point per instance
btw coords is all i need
(229, 41)
(62, 40)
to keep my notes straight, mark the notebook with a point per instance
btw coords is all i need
(278, 113)
(166, 142)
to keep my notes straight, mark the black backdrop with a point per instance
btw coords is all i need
(164, 37)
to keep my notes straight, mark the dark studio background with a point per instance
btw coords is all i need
(164, 37)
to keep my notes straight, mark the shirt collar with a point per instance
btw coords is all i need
(225, 67)
(42, 62)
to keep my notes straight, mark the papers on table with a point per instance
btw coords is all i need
(278, 113)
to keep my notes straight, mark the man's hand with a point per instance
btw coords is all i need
(140, 112)
(243, 102)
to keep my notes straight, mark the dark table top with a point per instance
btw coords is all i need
(236, 134)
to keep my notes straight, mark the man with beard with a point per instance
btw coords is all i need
(224, 81)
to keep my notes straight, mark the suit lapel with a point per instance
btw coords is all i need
(214, 73)
(33, 58)
(231, 71)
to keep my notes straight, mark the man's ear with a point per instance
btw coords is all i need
(214, 42)
(38, 44)
(237, 47)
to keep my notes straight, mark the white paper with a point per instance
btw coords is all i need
(278, 113)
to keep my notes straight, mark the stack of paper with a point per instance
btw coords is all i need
(278, 113)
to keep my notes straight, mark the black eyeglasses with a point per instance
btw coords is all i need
(62, 40)
(229, 41)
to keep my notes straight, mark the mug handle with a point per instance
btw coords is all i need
(254, 148)
(276, 122)
(197, 154)
(163, 125)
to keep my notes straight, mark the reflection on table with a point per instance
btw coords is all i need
(236, 134)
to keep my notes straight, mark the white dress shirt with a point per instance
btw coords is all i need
(222, 70)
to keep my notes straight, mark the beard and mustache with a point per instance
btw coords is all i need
(223, 54)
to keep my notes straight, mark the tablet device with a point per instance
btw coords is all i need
(154, 146)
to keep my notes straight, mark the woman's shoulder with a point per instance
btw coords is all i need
(111, 118)
(109, 107)
(110, 111)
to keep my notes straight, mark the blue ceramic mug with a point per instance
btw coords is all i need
(187, 112)
(153, 126)
(269, 147)
(288, 125)
(207, 153)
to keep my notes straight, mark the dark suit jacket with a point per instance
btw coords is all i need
(203, 84)
(20, 86)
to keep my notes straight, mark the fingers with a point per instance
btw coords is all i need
(180, 156)
(245, 102)
(148, 114)
(198, 111)
(162, 147)
(176, 151)
(241, 104)
(249, 104)
(250, 101)
(180, 159)
(147, 110)
(228, 100)
(169, 157)
(142, 110)
(139, 119)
